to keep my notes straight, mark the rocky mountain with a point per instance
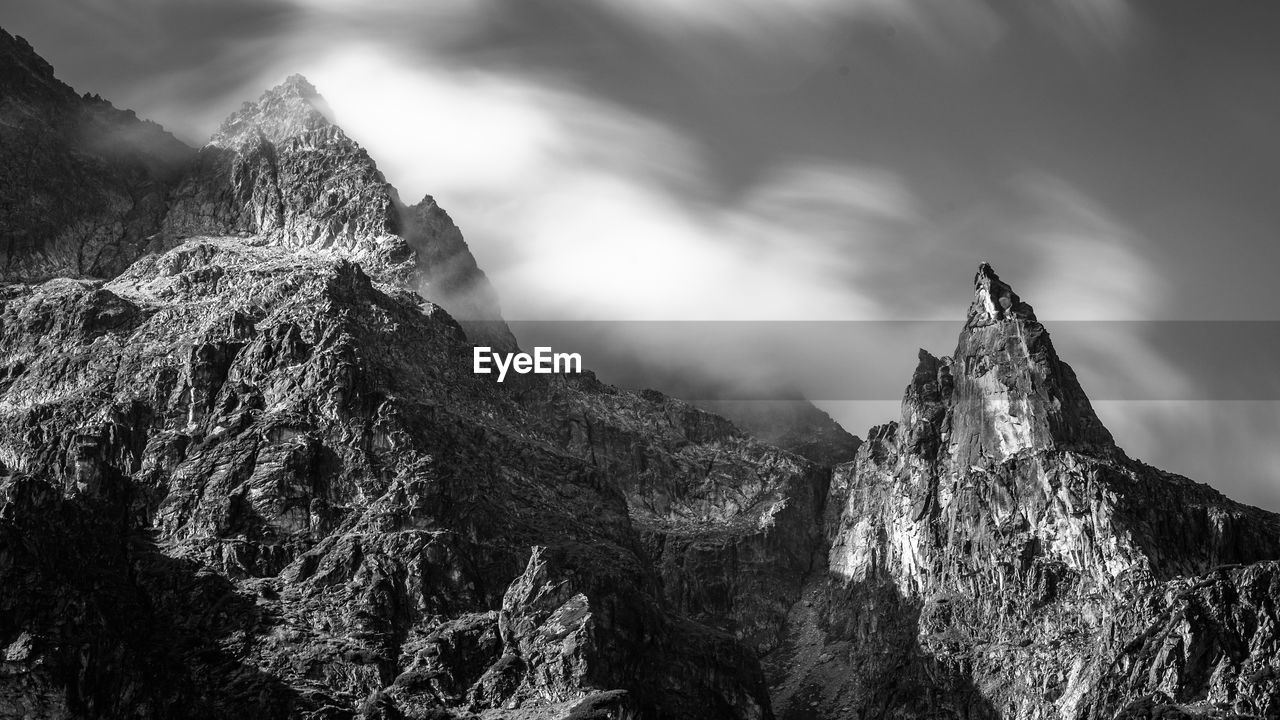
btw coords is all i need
(1021, 565)
(246, 470)
(280, 171)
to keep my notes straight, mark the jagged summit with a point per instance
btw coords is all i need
(298, 83)
(994, 300)
(279, 170)
(1036, 549)
(1004, 391)
(290, 109)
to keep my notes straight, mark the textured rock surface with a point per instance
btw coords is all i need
(987, 551)
(1209, 647)
(279, 171)
(84, 184)
(315, 445)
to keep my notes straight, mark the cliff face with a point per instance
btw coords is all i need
(245, 469)
(84, 188)
(1027, 566)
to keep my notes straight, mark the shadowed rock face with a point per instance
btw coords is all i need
(84, 185)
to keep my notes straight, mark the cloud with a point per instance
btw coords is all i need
(607, 244)
(1092, 266)
(1086, 25)
(587, 210)
(799, 27)
(711, 36)
(1091, 271)
(580, 209)
(760, 46)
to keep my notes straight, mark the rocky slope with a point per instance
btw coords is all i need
(93, 188)
(245, 469)
(307, 452)
(84, 185)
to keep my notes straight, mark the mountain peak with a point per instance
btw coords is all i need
(280, 170)
(1013, 393)
(292, 108)
(16, 52)
(296, 83)
(85, 182)
(994, 300)
(1003, 392)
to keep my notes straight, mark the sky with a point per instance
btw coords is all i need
(800, 160)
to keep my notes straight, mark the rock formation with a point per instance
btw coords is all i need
(281, 172)
(278, 170)
(246, 470)
(994, 554)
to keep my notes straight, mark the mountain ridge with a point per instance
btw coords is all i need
(119, 168)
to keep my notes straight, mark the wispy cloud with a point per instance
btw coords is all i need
(583, 209)
(799, 28)
(1090, 266)
(808, 31)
